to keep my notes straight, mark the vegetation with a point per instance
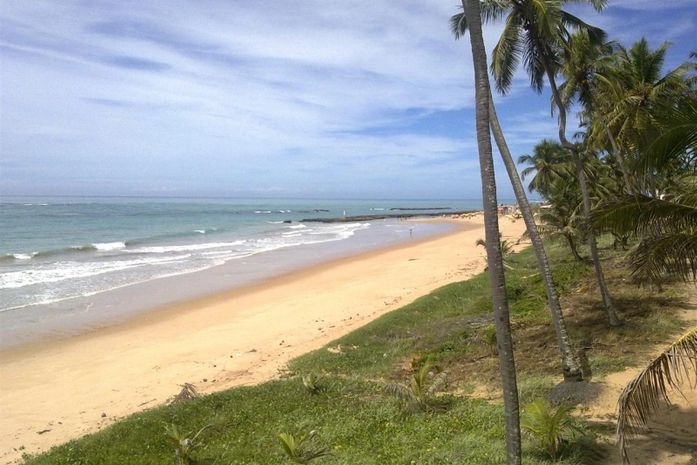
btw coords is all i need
(494, 256)
(184, 444)
(359, 422)
(552, 427)
(630, 172)
(649, 389)
(303, 449)
(419, 394)
(633, 170)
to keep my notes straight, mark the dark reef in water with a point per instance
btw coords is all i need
(351, 219)
(420, 209)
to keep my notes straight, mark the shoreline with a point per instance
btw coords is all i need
(79, 385)
(184, 291)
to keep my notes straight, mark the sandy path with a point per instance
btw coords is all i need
(60, 390)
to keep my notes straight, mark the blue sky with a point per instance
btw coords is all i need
(311, 98)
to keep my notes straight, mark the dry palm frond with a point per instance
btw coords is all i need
(187, 392)
(649, 389)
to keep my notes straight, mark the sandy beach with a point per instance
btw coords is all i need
(59, 390)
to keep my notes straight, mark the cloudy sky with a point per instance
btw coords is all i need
(310, 98)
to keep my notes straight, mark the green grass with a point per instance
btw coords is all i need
(354, 416)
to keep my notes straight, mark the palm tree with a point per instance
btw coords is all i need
(571, 367)
(666, 222)
(584, 61)
(561, 219)
(534, 30)
(634, 90)
(648, 390)
(549, 162)
(491, 229)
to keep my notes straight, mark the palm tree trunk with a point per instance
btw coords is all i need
(613, 319)
(572, 246)
(571, 368)
(619, 158)
(504, 341)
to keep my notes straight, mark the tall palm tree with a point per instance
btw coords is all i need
(491, 229)
(667, 222)
(584, 60)
(635, 89)
(571, 368)
(534, 30)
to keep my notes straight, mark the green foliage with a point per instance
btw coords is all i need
(184, 443)
(550, 426)
(418, 395)
(355, 415)
(312, 382)
(506, 250)
(303, 449)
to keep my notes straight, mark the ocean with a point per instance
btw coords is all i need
(64, 262)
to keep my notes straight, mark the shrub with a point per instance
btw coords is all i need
(551, 427)
(303, 449)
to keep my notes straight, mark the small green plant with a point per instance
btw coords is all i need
(312, 382)
(303, 449)
(419, 394)
(551, 427)
(184, 444)
(506, 250)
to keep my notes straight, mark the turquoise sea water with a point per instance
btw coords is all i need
(56, 251)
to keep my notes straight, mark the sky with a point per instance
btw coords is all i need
(302, 99)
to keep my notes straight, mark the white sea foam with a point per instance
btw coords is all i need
(61, 271)
(262, 211)
(185, 247)
(200, 231)
(107, 246)
(90, 273)
(274, 222)
(22, 256)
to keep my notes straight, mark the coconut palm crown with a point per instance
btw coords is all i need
(533, 32)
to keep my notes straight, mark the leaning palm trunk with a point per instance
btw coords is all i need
(648, 390)
(618, 157)
(570, 365)
(613, 319)
(491, 229)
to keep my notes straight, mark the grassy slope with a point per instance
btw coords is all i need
(353, 414)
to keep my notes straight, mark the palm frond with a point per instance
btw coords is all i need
(596, 35)
(506, 54)
(648, 391)
(643, 215)
(491, 10)
(598, 5)
(458, 25)
(671, 254)
(678, 137)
